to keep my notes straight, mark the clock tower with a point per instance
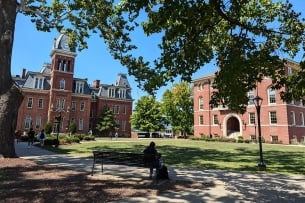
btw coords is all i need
(62, 72)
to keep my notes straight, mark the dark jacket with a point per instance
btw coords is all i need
(150, 154)
(31, 134)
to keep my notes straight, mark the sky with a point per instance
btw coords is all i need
(32, 49)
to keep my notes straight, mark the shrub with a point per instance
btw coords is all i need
(73, 139)
(50, 140)
(72, 127)
(48, 128)
(247, 141)
(79, 136)
(240, 140)
(89, 137)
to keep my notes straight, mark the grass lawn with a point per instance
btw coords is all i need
(207, 155)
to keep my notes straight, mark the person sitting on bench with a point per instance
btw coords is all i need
(151, 158)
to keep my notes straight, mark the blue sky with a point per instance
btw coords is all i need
(32, 48)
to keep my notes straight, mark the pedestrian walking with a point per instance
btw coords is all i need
(31, 135)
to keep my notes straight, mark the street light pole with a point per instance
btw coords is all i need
(58, 122)
(258, 102)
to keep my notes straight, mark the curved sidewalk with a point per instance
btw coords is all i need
(231, 187)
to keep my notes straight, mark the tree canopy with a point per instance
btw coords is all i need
(177, 107)
(147, 115)
(107, 123)
(246, 37)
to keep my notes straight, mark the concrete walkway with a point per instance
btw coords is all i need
(229, 187)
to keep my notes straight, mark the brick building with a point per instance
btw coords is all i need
(281, 122)
(55, 91)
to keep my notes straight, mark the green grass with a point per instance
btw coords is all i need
(207, 155)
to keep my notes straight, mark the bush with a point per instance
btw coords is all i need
(72, 127)
(89, 138)
(79, 136)
(247, 141)
(48, 128)
(50, 140)
(73, 139)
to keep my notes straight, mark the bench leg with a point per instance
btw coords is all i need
(92, 169)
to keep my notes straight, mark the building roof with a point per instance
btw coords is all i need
(120, 90)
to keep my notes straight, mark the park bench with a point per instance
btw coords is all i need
(118, 158)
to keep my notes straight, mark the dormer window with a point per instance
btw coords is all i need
(111, 92)
(62, 84)
(122, 93)
(79, 88)
(38, 82)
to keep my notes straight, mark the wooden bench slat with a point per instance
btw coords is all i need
(118, 158)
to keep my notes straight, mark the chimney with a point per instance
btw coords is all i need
(23, 73)
(96, 83)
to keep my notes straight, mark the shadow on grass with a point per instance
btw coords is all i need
(245, 158)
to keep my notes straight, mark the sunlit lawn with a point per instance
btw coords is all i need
(206, 155)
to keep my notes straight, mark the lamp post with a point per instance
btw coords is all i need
(258, 102)
(58, 122)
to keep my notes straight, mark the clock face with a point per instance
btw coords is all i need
(64, 43)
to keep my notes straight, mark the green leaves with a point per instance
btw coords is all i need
(240, 35)
(107, 122)
(177, 107)
(147, 115)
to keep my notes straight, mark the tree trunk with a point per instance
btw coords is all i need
(10, 95)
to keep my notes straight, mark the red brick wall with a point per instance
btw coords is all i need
(283, 129)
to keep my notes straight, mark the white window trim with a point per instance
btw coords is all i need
(302, 118)
(270, 118)
(79, 87)
(292, 114)
(82, 106)
(62, 84)
(200, 103)
(270, 90)
(38, 82)
(31, 103)
(200, 120)
(40, 107)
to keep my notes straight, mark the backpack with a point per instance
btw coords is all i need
(163, 173)
(42, 136)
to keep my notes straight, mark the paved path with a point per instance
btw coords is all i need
(230, 187)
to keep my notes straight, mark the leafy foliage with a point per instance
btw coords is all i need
(177, 106)
(147, 115)
(245, 37)
(72, 127)
(107, 122)
(48, 128)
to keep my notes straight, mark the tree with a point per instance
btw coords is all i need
(79, 19)
(177, 105)
(245, 38)
(147, 115)
(48, 128)
(72, 127)
(107, 122)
